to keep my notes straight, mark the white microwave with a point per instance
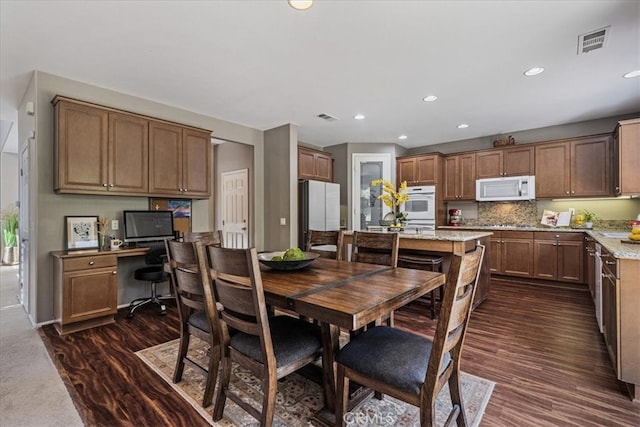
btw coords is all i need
(507, 188)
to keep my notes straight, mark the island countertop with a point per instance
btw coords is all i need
(448, 241)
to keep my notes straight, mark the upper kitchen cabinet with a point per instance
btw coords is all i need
(419, 170)
(626, 158)
(574, 168)
(460, 177)
(314, 164)
(98, 151)
(505, 162)
(179, 163)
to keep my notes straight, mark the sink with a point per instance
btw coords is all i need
(614, 235)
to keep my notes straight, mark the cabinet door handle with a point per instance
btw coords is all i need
(105, 184)
(610, 262)
(185, 190)
(110, 185)
(566, 192)
(114, 272)
(91, 262)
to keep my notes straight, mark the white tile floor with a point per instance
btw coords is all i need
(9, 285)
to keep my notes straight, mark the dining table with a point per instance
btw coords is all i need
(342, 295)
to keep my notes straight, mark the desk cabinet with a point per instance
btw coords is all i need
(85, 291)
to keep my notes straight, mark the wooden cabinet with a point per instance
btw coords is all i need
(574, 168)
(590, 264)
(179, 162)
(558, 256)
(316, 165)
(419, 170)
(626, 158)
(620, 308)
(505, 162)
(459, 177)
(512, 253)
(85, 290)
(100, 150)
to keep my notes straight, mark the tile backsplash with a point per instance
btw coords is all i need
(612, 213)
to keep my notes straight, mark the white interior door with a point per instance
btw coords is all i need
(367, 209)
(23, 196)
(235, 208)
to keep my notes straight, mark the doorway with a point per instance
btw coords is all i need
(367, 208)
(235, 208)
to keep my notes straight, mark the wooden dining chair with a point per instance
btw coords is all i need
(316, 239)
(207, 237)
(271, 347)
(411, 367)
(198, 316)
(376, 248)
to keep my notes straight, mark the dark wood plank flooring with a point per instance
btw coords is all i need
(539, 344)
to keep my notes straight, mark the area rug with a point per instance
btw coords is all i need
(299, 398)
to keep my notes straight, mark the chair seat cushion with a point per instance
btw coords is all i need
(293, 339)
(393, 356)
(151, 273)
(200, 321)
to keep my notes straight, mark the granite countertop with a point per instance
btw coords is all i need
(447, 235)
(613, 244)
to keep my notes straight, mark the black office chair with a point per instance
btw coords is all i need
(154, 273)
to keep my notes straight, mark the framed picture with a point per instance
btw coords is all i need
(181, 209)
(81, 232)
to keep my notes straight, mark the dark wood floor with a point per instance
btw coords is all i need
(539, 344)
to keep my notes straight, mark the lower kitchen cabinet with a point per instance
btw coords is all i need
(558, 256)
(620, 318)
(85, 290)
(512, 253)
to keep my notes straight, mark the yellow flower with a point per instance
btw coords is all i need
(390, 197)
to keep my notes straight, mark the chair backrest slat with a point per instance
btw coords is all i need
(206, 237)
(454, 317)
(375, 248)
(317, 238)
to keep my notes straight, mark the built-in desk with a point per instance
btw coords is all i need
(85, 287)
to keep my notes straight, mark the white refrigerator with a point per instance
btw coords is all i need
(319, 208)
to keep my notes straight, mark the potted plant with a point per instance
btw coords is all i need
(10, 236)
(394, 199)
(588, 217)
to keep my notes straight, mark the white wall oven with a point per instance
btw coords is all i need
(421, 207)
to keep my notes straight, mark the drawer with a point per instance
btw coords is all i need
(89, 262)
(609, 262)
(508, 234)
(550, 235)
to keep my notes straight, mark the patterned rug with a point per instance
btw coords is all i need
(299, 398)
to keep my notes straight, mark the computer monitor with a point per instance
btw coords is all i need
(148, 226)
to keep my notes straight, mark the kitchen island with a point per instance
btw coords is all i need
(447, 243)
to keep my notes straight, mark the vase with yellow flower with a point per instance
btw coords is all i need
(394, 199)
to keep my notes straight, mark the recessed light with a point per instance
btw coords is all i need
(429, 98)
(463, 126)
(402, 137)
(632, 74)
(533, 71)
(301, 4)
(359, 116)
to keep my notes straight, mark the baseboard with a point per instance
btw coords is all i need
(540, 282)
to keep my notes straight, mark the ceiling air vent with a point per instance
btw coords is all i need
(593, 40)
(327, 117)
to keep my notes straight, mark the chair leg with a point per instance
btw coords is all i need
(221, 396)
(182, 353)
(341, 395)
(212, 376)
(456, 398)
(270, 388)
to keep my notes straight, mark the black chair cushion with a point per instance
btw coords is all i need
(293, 339)
(390, 355)
(151, 274)
(200, 321)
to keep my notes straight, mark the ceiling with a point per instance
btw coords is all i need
(263, 64)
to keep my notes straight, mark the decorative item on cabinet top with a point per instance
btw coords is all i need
(81, 232)
(504, 141)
